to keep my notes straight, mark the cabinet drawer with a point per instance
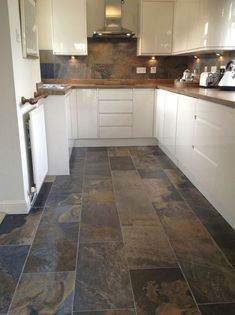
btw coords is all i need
(115, 119)
(115, 94)
(115, 106)
(115, 132)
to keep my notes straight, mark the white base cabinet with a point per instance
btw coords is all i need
(204, 145)
(115, 113)
(143, 109)
(58, 119)
(185, 130)
(87, 114)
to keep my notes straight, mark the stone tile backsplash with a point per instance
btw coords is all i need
(111, 59)
(117, 59)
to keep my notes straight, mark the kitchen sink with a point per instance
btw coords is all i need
(54, 86)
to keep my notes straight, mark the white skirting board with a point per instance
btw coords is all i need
(115, 142)
(14, 207)
(226, 214)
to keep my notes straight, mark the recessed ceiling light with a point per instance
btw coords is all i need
(153, 58)
(100, 34)
(128, 34)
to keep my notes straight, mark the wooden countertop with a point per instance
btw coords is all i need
(215, 95)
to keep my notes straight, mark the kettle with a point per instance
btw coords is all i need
(228, 80)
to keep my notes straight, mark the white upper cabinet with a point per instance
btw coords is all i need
(156, 22)
(69, 27)
(203, 25)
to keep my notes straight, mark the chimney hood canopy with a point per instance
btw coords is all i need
(113, 22)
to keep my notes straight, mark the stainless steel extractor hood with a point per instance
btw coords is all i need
(113, 22)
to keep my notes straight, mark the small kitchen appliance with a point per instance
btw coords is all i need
(228, 80)
(209, 79)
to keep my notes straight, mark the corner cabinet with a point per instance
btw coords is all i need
(156, 23)
(69, 38)
(204, 136)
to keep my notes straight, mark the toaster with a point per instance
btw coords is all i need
(209, 79)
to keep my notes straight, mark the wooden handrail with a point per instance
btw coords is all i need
(33, 100)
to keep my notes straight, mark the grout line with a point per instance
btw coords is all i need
(173, 251)
(27, 256)
(124, 250)
(200, 221)
(79, 232)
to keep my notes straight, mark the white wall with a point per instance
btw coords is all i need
(18, 78)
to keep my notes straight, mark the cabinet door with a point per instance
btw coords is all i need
(87, 114)
(73, 110)
(185, 128)
(207, 133)
(170, 122)
(156, 27)
(69, 27)
(225, 178)
(143, 105)
(180, 28)
(159, 114)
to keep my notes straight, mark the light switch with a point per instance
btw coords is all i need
(213, 69)
(153, 69)
(141, 70)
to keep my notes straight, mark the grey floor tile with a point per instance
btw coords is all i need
(20, 229)
(12, 259)
(179, 180)
(68, 184)
(100, 223)
(162, 291)
(179, 221)
(217, 309)
(43, 195)
(146, 246)
(102, 278)
(118, 151)
(48, 293)
(107, 312)
(210, 276)
(54, 248)
(126, 180)
(121, 163)
(133, 205)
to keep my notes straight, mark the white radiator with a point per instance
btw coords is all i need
(38, 141)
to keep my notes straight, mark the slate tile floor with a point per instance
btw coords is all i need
(125, 234)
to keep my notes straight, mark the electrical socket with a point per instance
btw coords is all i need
(153, 70)
(141, 70)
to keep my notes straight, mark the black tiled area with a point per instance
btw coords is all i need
(125, 234)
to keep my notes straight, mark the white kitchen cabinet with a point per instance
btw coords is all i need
(69, 27)
(203, 25)
(115, 113)
(207, 132)
(225, 177)
(73, 110)
(170, 122)
(156, 23)
(87, 114)
(185, 130)
(143, 109)
(58, 132)
(160, 99)
(188, 26)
